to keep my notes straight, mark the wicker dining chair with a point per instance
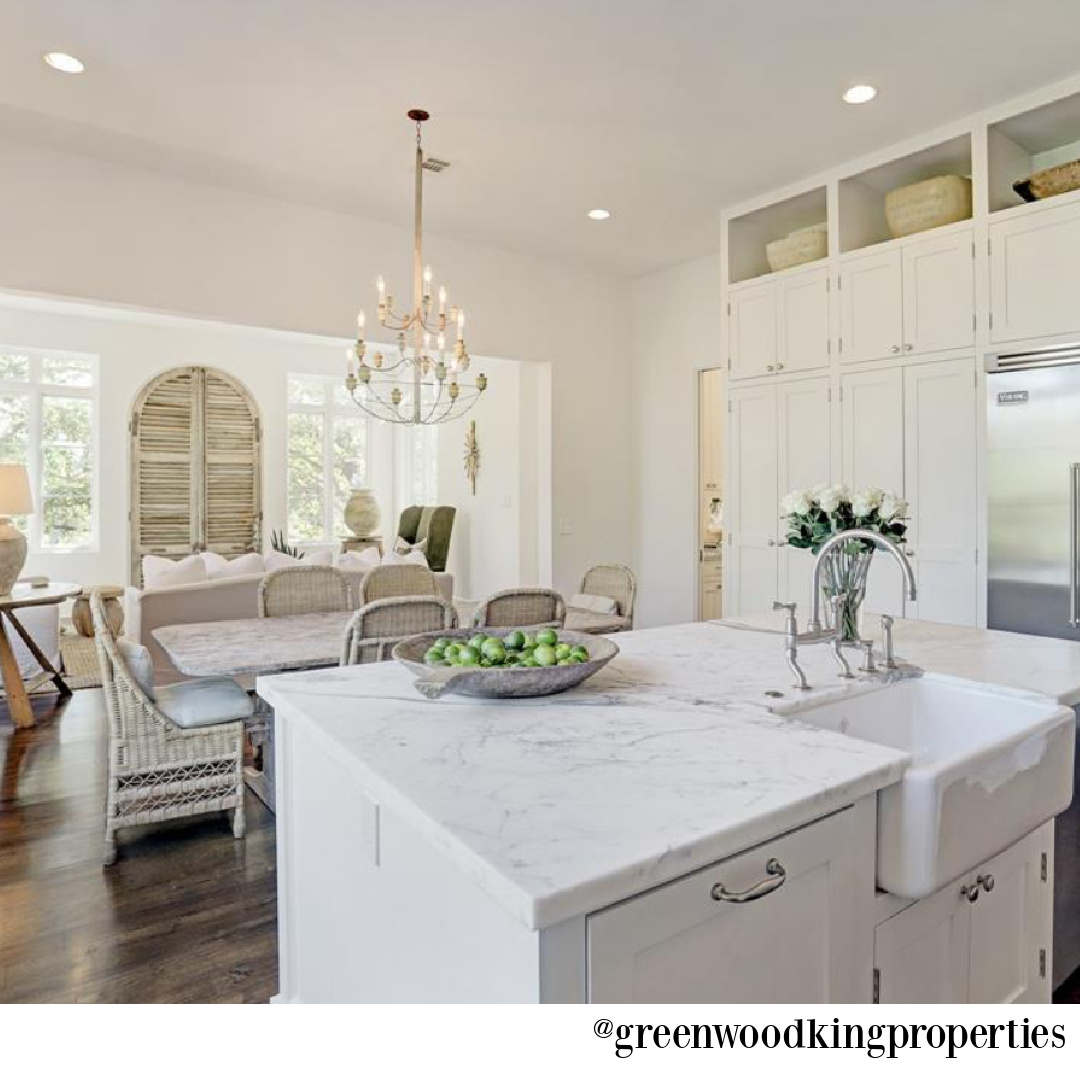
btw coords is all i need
(377, 627)
(520, 608)
(173, 752)
(401, 579)
(303, 590)
(616, 582)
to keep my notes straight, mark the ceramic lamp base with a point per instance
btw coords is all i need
(12, 555)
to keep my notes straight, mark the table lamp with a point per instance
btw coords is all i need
(14, 499)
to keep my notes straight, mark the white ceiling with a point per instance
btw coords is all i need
(662, 111)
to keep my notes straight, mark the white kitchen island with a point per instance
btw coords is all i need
(590, 846)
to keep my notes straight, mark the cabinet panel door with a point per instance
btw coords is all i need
(939, 294)
(922, 953)
(804, 459)
(1034, 267)
(752, 331)
(940, 472)
(806, 941)
(872, 451)
(752, 518)
(711, 420)
(803, 321)
(871, 307)
(1010, 926)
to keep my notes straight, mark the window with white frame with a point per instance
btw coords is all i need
(49, 422)
(328, 447)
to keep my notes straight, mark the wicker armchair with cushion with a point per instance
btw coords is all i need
(173, 752)
(303, 590)
(383, 582)
(433, 524)
(377, 627)
(520, 609)
(605, 604)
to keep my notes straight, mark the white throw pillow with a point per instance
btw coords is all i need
(159, 573)
(602, 605)
(275, 560)
(139, 664)
(219, 567)
(364, 560)
(414, 558)
(321, 556)
(403, 547)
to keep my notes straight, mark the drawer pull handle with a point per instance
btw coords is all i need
(777, 877)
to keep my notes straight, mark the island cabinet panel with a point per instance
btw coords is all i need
(1034, 268)
(807, 936)
(947, 948)
(752, 331)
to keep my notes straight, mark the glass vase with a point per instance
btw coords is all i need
(843, 583)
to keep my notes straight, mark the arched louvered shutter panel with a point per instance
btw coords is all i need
(195, 467)
(232, 513)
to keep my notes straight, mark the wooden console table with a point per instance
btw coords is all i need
(24, 596)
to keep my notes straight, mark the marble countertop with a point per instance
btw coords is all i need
(666, 761)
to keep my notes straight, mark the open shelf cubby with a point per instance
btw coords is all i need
(1034, 140)
(862, 196)
(748, 235)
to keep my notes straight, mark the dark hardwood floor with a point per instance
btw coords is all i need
(187, 914)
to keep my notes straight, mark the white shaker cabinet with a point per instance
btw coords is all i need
(911, 298)
(939, 293)
(871, 307)
(752, 330)
(983, 939)
(802, 321)
(804, 937)
(780, 439)
(940, 472)
(1034, 268)
(872, 452)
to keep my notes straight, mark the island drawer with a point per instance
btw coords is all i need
(788, 920)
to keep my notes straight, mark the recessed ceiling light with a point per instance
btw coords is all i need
(65, 62)
(599, 215)
(859, 95)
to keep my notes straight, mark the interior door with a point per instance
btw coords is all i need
(804, 459)
(871, 307)
(939, 293)
(941, 472)
(872, 451)
(803, 321)
(754, 519)
(752, 331)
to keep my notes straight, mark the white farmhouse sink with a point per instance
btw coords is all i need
(988, 766)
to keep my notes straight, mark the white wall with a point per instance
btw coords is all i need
(676, 325)
(81, 228)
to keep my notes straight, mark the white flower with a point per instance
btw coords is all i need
(866, 502)
(795, 502)
(892, 506)
(831, 498)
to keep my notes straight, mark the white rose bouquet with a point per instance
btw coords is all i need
(816, 514)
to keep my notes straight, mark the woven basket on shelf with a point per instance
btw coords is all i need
(928, 205)
(806, 245)
(1045, 183)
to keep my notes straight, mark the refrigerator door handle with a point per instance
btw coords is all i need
(1074, 542)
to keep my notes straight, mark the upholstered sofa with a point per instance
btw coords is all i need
(235, 597)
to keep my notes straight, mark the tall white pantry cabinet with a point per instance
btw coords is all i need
(867, 366)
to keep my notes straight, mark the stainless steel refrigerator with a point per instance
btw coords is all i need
(1033, 493)
(1033, 463)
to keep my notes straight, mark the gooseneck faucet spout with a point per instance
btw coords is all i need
(838, 540)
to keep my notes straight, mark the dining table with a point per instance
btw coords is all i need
(239, 648)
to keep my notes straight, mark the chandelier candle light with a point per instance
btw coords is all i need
(418, 386)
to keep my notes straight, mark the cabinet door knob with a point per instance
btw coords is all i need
(970, 893)
(777, 877)
(986, 881)
(769, 368)
(895, 349)
(779, 367)
(770, 543)
(908, 348)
